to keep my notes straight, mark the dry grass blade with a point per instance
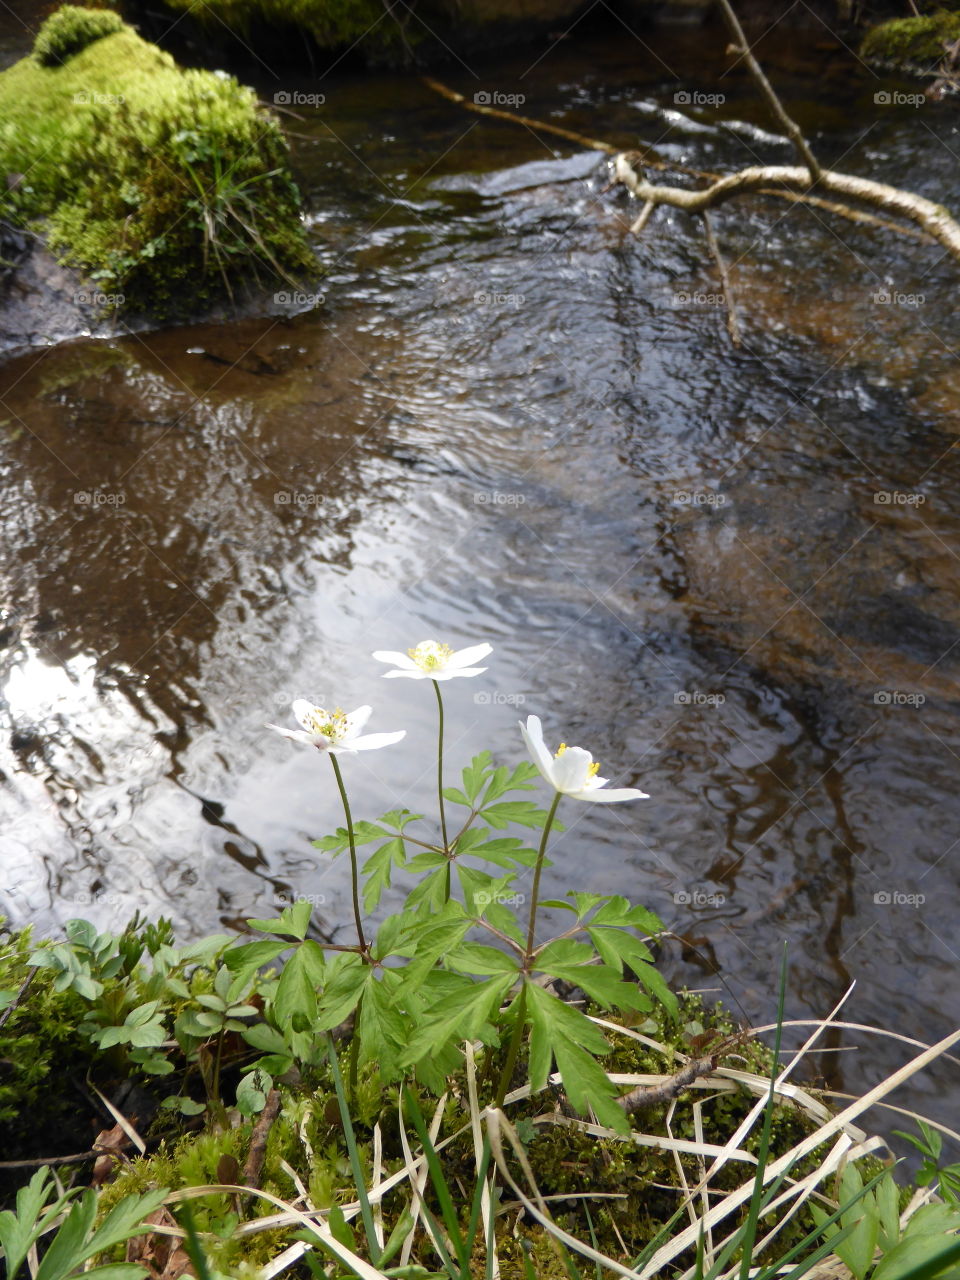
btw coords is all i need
(476, 1129)
(687, 1238)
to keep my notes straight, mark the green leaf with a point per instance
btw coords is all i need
(502, 780)
(292, 922)
(523, 812)
(245, 961)
(475, 773)
(252, 1092)
(455, 796)
(464, 1015)
(378, 869)
(346, 979)
(471, 957)
(295, 999)
(919, 1258)
(562, 1032)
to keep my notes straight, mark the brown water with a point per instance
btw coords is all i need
(504, 423)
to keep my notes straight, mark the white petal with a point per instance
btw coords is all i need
(464, 657)
(447, 674)
(600, 795)
(356, 720)
(398, 659)
(304, 711)
(299, 735)
(416, 674)
(532, 735)
(371, 741)
(571, 770)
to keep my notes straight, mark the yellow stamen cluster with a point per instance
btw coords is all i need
(430, 654)
(330, 724)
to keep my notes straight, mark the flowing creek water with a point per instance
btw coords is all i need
(733, 575)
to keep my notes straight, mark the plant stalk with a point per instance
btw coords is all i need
(354, 873)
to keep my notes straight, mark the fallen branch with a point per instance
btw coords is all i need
(649, 158)
(652, 1095)
(931, 218)
(258, 1140)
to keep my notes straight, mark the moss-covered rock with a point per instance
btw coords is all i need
(164, 187)
(912, 43)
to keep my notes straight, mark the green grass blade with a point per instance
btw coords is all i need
(439, 1185)
(366, 1213)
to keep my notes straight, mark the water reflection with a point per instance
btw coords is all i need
(733, 575)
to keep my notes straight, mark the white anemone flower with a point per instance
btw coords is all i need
(337, 732)
(431, 660)
(572, 771)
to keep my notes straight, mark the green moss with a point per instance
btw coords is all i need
(911, 42)
(165, 187)
(71, 29)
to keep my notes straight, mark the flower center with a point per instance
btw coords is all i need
(430, 654)
(332, 725)
(592, 769)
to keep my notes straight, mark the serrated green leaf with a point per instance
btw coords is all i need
(295, 999)
(456, 796)
(474, 774)
(292, 922)
(472, 957)
(378, 869)
(346, 979)
(504, 780)
(523, 812)
(466, 1014)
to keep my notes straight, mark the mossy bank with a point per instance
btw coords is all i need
(917, 44)
(164, 189)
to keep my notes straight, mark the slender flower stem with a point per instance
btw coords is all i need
(521, 1002)
(507, 1074)
(354, 873)
(535, 892)
(443, 812)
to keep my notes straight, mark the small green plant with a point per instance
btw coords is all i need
(78, 1237)
(71, 29)
(930, 1145)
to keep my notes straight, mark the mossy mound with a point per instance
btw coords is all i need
(912, 43)
(71, 29)
(167, 188)
(617, 1194)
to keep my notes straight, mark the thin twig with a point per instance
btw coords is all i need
(790, 126)
(24, 988)
(733, 326)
